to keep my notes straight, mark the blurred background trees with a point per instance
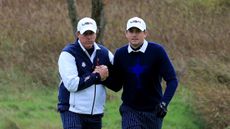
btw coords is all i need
(97, 13)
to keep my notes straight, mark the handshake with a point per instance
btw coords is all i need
(103, 71)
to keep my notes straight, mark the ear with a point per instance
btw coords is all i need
(77, 34)
(126, 33)
(145, 33)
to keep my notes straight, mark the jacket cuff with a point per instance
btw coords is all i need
(96, 77)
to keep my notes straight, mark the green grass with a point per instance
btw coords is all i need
(25, 104)
(28, 105)
(180, 114)
(34, 109)
(112, 119)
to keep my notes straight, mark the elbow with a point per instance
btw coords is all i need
(71, 85)
(173, 82)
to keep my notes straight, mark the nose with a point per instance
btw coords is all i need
(134, 34)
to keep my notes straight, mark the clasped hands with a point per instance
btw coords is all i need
(103, 71)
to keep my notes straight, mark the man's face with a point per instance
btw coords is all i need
(87, 38)
(135, 36)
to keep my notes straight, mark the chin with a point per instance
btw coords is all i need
(89, 46)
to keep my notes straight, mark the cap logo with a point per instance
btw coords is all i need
(87, 23)
(135, 21)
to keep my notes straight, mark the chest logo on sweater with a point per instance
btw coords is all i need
(83, 64)
(137, 70)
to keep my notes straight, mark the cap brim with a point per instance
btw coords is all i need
(86, 29)
(135, 26)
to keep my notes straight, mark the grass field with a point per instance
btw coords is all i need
(180, 113)
(28, 105)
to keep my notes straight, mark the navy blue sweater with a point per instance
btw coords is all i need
(141, 74)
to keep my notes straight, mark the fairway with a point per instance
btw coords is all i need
(34, 107)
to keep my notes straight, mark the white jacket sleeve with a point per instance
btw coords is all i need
(68, 71)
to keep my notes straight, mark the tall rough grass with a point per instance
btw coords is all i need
(194, 32)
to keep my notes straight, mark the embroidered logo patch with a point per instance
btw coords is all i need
(83, 64)
(86, 78)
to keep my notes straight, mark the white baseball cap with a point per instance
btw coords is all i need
(136, 22)
(86, 24)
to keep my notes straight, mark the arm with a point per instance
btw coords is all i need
(115, 79)
(69, 74)
(169, 75)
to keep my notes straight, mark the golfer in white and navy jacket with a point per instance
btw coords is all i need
(82, 92)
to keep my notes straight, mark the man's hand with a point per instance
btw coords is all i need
(161, 110)
(103, 71)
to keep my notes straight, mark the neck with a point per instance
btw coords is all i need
(135, 48)
(90, 50)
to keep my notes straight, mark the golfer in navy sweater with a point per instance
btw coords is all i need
(139, 68)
